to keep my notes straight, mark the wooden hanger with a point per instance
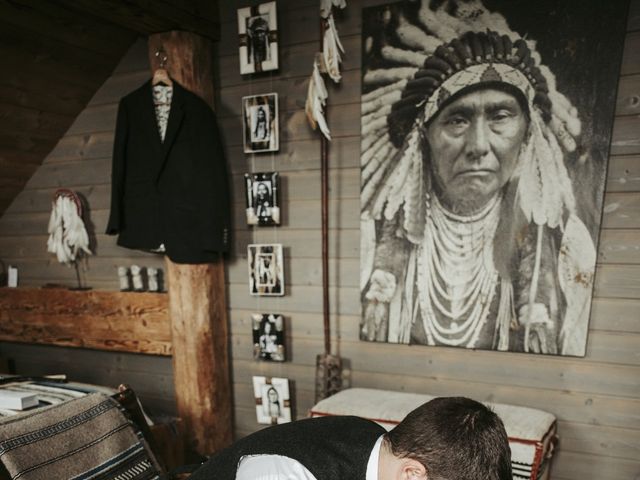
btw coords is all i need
(161, 76)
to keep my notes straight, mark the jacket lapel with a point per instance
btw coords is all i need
(176, 114)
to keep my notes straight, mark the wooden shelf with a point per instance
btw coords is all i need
(102, 320)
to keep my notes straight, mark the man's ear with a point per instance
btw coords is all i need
(413, 470)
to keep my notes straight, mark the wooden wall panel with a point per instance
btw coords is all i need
(596, 398)
(81, 161)
(150, 376)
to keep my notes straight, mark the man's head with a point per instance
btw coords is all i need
(474, 61)
(448, 438)
(473, 144)
(459, 76)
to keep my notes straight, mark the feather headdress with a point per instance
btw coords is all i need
(427, 59)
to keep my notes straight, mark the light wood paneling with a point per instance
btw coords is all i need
(118, 321)
(595, 398)
(624, 173)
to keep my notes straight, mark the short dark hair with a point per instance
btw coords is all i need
(454, 438)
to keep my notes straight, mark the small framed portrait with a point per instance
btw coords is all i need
(273, 405)
(268, 337)
(266, 269)
(260, 123)
(258, 30)
(262, 198)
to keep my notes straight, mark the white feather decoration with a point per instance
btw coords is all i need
(379, 92)
(432, 21)
(399, 183)
(369, 152)
(389, 75)
(316, 100)
(414, 193)
(382, 101)
(331, 50)
(415, 37)
(576, 260)
(67, 234)
(544, 187)
(380, 159)
(327, 5)
(409, 57)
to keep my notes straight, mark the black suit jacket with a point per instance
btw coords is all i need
(331, 448)
(173, 193)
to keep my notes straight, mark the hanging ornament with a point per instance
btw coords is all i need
(331, 50)
(316, 101)
(327, 5)
(67, 234)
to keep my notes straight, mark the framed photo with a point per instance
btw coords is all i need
(273, 405)
(262, 198)
(481, 253)
(260, 123)
(258, 30)
(268, 337)
(266, 269)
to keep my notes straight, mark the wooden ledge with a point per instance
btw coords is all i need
(102, 320)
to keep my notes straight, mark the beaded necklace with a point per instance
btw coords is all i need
(456, 273)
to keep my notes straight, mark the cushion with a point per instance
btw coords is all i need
(531, 432)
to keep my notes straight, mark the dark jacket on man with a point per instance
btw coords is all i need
(173, 192)
(331, 448)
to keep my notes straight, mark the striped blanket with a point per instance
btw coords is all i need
(86, 438)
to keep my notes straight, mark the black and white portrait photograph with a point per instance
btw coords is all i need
(262, 198)
(260, 123)
(486, 127)
(266, 269)
(268, 336)
(258, 30)
(273, 405)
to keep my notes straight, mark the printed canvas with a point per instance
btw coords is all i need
(485, 136)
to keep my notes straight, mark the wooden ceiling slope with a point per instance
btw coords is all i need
(55, 55)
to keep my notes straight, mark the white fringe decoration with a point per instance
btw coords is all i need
(331, 49)
(316, 100)
(331, 58)
(67, 234)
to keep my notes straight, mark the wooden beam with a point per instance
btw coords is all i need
(197, 295)
(117, 321)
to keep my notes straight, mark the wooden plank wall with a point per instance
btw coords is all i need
(596, 399)
(82, 161)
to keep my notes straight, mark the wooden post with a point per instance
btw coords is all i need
(197, 296)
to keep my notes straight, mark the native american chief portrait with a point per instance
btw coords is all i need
(480, 195)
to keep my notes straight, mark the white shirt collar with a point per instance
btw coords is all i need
(372, 464)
